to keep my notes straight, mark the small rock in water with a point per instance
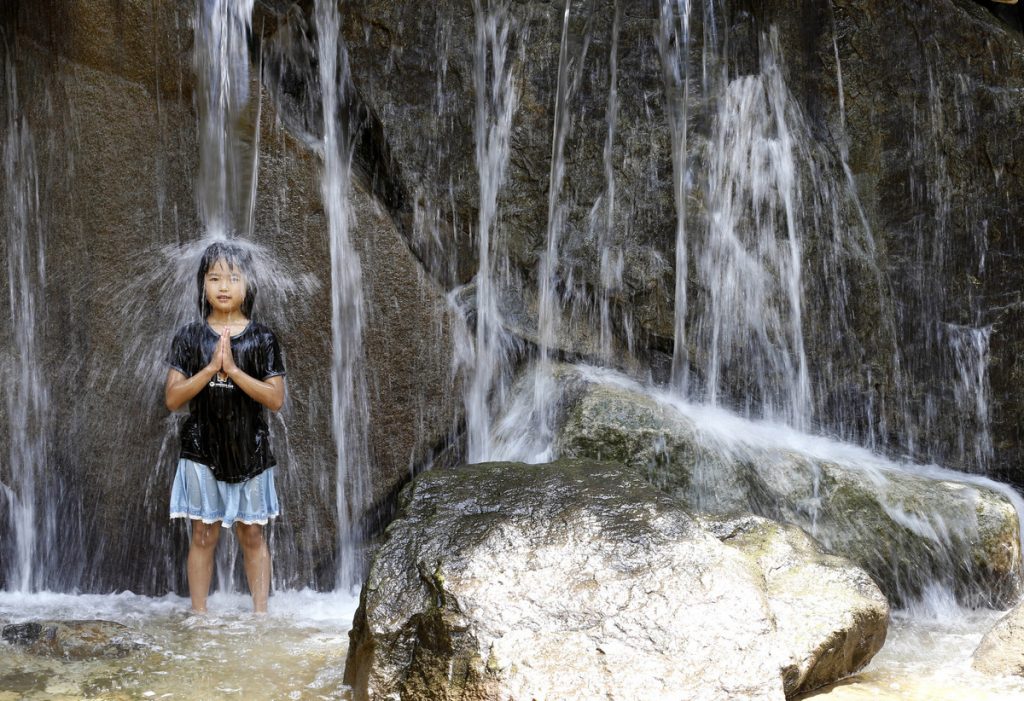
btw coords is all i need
(74, 640)
(22, 633)
(1001, 651)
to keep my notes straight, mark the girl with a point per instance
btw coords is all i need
(227, 368)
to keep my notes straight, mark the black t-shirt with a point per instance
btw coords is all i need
(226, 429)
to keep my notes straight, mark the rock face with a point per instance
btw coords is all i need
(905, 529)
(74, 640)
(1001, 651)
(912, 331)
(891, 332)
(578, 580)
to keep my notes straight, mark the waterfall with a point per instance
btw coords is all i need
(750, 261)
(30, 511)
(496, 100)
(969, 348)
(221, 59)
(611, 260)
(350, 410)
(550, 304)
(549, 308)
(674, 49)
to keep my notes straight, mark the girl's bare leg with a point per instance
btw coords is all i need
(200, 562)
(257, 563)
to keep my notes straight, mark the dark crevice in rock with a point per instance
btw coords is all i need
(1011, 16)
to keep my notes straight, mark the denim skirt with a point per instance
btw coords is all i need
(197, 494)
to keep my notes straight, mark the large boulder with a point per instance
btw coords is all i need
(831, 617)
(577, 580)
(906, 526)
(1001, 651)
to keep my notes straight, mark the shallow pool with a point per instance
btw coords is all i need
(295, 652)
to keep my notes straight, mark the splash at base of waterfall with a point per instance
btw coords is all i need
(296, 652)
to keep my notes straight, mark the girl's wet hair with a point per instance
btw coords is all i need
(236, 258)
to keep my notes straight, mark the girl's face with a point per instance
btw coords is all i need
(225, 288)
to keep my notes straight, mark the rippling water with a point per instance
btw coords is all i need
(928, 658)
(296, 652)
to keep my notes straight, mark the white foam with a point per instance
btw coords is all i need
(333, 610)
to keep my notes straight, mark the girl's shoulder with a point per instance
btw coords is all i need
(261, 329)
(191, 329)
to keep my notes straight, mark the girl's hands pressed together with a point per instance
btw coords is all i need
(227, 359)
(216, 363)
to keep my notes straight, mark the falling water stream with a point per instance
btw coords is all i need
(674, 48)
(350, 417)
(222, 65)
(31, 518)
(496, 100)
(611, 258)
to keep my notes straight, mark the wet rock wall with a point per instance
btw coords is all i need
(931, 97)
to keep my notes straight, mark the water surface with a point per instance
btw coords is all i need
(295, 652)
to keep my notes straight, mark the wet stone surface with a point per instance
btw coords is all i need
(578, 580)
(76, 640)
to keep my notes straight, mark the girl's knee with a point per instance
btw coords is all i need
(250, 535)
(205, 535)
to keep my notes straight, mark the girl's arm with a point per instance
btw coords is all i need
(268, 392)
(180, 389)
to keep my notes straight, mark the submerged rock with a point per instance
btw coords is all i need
(579, 580)
(906, 529)
(1001, 651)
(74, 640)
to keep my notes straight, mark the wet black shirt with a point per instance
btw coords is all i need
(226, 429)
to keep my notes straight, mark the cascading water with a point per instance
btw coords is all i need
(549, 309)
(943, 373)
(549, 275)
(969, 348)
(496, 100)
(222, 65)
(28, 553)
(348, 388)
(750, 261)
(674, 49)
(611, 259)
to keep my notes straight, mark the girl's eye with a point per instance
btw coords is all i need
(235, 278)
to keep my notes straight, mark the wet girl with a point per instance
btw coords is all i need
(228, 368)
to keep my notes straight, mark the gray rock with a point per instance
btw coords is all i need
(1001, 651)
(578, 580)
(74, 640)
(831, 617)
(906, 529)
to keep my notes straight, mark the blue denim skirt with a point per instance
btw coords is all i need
(197, 494)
